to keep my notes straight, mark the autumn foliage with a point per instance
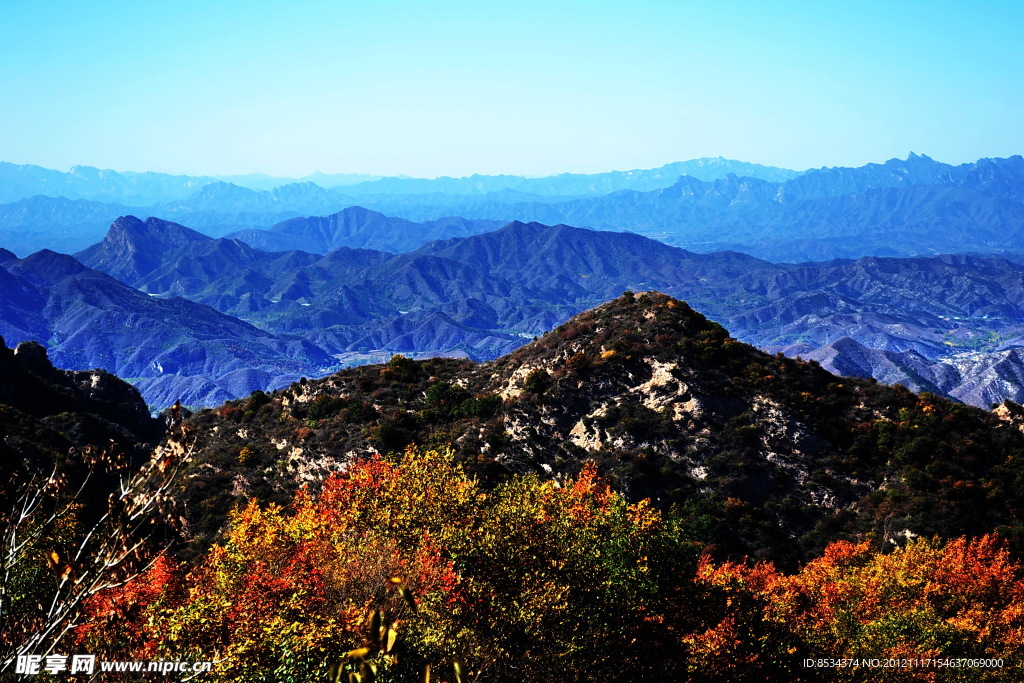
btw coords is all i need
(538, 580)
(926, 601)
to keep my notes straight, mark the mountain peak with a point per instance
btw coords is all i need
(46, 268)
(635, 329)
(668, 405)
(133, 247)
(153, 229)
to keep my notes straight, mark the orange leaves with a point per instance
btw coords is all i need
(717, 650)
(295, 584)
(118, 618)
(961, 599)
(587, 498)
(547, 580)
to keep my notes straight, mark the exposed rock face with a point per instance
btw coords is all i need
(32, 356)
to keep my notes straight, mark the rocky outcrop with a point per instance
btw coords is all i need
(31, 384)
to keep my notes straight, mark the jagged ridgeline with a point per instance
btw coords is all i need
(757, 455)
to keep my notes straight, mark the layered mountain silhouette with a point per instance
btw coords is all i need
(20, 181)
(38, 222)
(915, 206)
(982, 379)
(42, 208)
(359, 228)
(485, 295)
(170, 348)
(569, 184)
(900, 208)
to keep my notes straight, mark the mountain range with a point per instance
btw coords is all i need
(42, 208)
(304, 288)
(916, 206)
(20, 181)
(946, 324)
(169, 348)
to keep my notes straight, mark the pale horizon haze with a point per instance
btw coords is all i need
(525, 88)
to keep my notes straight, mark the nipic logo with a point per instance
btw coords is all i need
(32, 665)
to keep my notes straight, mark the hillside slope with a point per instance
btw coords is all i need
(172, 349)
(768, 456)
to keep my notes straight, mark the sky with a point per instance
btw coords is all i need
(527, 88)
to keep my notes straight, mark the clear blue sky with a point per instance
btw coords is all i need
(521, 87)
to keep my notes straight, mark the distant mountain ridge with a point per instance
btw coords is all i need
(41, 211)
(20, 181)
(169, 348)
(905, 207)
(359, 228)
(486, 294)
(900, 208)
(582, 184)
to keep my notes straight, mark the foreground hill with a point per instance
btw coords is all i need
(744, 453)
(31, 386)
(764, 455)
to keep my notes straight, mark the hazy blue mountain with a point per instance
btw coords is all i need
(217, 206)
(485, 294)
(20, 181)
(569, 184)
(899, 208)
(357, 227)
(165, 259)
(85, 182)
(916, 169)
(916, 206)
(979, 378)
(29, 225)
(88, 319)
(262, 181)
